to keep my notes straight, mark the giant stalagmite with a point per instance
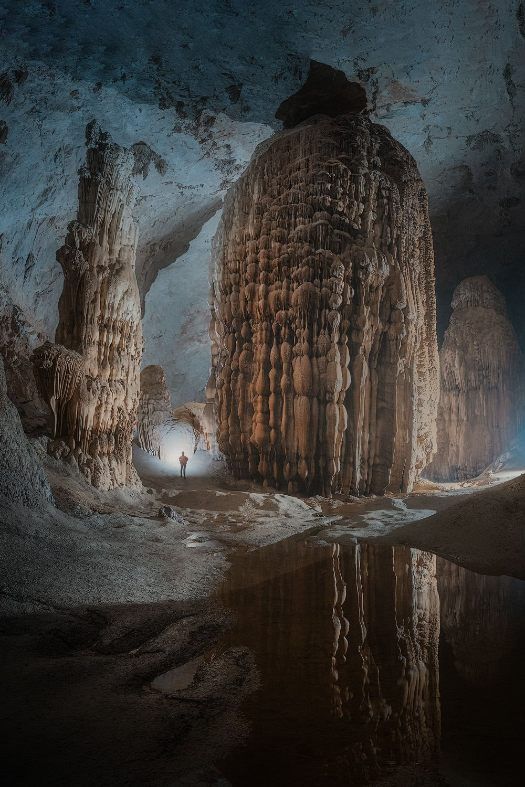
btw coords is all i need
(90, 377)
(480, 408)
(325, 367)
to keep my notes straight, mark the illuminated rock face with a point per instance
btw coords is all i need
(325, 369)
(154, 410)
(481, 400)
(90, 377)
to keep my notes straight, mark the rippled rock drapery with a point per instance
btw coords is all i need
(481, 400)
(90, 377)
(325, 366)
(154, 411)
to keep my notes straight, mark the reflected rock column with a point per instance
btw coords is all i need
(387, 668)
(90, 377)
(325, 368)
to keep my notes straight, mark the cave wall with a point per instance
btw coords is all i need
(324, 351)
(22, 478)
(90, 376)
(481, 389)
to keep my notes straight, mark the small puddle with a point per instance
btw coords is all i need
(378, 665)
(178, 678)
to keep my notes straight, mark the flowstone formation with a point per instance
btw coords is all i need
(481, 400)
(325, 366)
(90, 377)
(154, 411)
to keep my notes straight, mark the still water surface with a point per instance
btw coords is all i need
(378, 665)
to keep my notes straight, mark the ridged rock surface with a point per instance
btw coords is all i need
(90, 377)
(22, 478)
(17, 338)
(325, 369)
(481, 399)
(154, 410)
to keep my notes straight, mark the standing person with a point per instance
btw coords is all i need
(183, 459)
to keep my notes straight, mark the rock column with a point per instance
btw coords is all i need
(325, 367)
(481, 400)
(90, 377)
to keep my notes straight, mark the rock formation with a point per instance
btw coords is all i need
(22, 479)
(17, 338)
(90, 377)
(154, 411)
(325, 366)
(481, 399)
(197, 416)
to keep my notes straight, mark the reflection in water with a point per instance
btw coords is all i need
(483, 698)
(347, 641)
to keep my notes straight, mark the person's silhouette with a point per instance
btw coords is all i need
(183, 459)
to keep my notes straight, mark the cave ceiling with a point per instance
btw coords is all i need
(193, 88)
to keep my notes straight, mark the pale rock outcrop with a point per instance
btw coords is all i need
(154, 411)
(22, 478)
(90, 377)
(324, 355)
(481, 400)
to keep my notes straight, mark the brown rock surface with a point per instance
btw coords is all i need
(325, 366)
(481, 400)
(90, 377)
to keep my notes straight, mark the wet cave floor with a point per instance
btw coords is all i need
(314, 663)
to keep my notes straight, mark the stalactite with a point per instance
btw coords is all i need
(324, 354)
(90, 376)
(481, 400)
(154, 411)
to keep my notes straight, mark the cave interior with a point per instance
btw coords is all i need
(262, 392)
